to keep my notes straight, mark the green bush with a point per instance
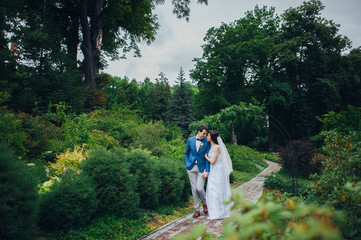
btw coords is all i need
(114, 184)
(245, 159)
(144, 166)
(286, 185)
(18, 198)
(10, 131)
(69, 204)
(76, 131)
(177, 148)
(340, 171)
(175, 186)
(271, 157)
(28, 135)
(151, 136)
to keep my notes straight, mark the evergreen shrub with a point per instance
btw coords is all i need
(144, 166)
(115, 186)
(69, 204)
(174, 182)
(18, 198)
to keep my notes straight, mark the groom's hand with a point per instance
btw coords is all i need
(205, 175)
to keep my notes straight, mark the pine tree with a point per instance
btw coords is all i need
(180, 108)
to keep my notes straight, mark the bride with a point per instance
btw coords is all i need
(218, 186)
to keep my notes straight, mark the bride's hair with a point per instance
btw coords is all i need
(214, 134)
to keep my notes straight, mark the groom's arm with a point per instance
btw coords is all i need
(187, 152)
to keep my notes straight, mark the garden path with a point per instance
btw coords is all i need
(252, 189)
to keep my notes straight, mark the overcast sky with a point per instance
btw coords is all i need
(178, 42)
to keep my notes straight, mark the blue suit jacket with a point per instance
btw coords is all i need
(191, 154)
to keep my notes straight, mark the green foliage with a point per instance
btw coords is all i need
(107, 228)
(298, 154)
(245, 159)
(69, 160)
(154, 98)
(271, 156)
(175, 186)
(76, 132)
(144, 166)
(336, 187)
(28, 135)
(180, 109)
(39, 134)
(18, 199)
(233, 56)
(242, 124)
(96, 98)
(271, 220)
(10, 126)
(291, 64)
(177, 148)
(282, 182)
(120, 122)
(124, 92)
(115, 186)
(150, 136)
(344, 121)
(70, 204)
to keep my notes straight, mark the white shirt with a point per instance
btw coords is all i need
(198, 144)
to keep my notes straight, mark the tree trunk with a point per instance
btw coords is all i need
(234, 137)
(270, 136)
(72, 39)
(90, 31)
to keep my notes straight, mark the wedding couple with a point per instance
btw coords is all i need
(207, 156)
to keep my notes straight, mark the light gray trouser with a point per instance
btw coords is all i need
(197, 184)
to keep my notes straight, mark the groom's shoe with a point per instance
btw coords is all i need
(196, 214)
(205, 208)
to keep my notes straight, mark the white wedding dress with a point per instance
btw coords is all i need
(218, 188)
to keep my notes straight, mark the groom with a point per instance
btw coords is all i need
(198, 167)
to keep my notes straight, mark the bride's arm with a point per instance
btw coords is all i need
(214, 158)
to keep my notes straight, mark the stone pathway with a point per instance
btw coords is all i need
(252, 190)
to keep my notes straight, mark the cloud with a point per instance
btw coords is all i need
(178, 42)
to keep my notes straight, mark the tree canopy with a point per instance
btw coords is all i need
(295, 65)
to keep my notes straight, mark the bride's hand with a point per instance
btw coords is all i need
(205, 156)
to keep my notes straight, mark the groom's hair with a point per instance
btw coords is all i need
(201, 127)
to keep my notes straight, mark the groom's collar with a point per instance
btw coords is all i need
(198, 138)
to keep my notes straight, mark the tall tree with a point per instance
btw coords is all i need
(102, 27)
(233, 55)
(180, 108)
(122, 91)
(310, 50)
(294, 65)
(154, 98)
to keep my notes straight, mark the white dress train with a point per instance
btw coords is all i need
(218, 188)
